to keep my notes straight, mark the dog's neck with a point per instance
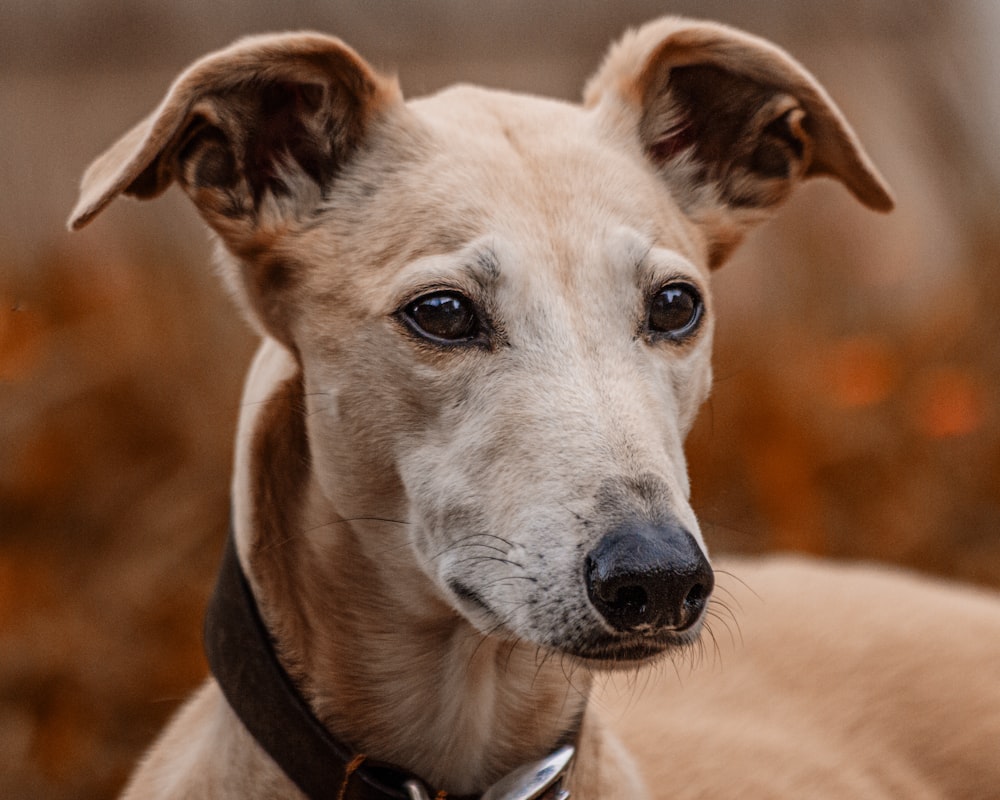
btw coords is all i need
(386, 664)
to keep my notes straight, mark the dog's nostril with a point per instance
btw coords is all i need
(694, 603)
(696, 597)
(630, 601)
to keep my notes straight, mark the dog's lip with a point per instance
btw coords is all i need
(471, 598)
(600, 648)
(612, 649)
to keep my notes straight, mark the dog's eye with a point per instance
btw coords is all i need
(675, 311)
(443, 316)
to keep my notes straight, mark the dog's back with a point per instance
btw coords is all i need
(825, 681)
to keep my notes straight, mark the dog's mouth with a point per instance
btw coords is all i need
(472, 600)
(609, 651)
(598, 648)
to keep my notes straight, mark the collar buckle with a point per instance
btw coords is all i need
(416, 791)
(539, 780)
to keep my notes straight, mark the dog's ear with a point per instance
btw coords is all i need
(255, 134)
(730, 122)
(245, 130)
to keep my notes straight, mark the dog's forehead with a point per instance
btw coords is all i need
(535, 155)
(488, 114)
(471, 164)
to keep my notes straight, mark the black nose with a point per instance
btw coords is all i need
(646, 576)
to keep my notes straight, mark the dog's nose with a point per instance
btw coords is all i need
(642, 576)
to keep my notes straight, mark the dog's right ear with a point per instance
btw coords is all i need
(255, 134)
(250, 132)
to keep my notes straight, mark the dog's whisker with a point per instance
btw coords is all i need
(510, 652)
(317, 410)
(506, 580)
(484, 534)
(483, 639)
(579, 517)
(491, 635)
(351, 520)
(699, 651)
(740, 580)
(293, 535)
(715, 611)
(672, 658)
(279, 395)
(469, 545)
(482, 559)
(709, 633)
(273, 544)
(465, 542)
(729, 593)
(539, 665)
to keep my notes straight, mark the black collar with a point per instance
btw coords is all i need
(242, 658)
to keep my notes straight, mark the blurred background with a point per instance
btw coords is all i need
(856, 412)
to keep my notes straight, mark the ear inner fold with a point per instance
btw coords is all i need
(291, 100)
(730, 122)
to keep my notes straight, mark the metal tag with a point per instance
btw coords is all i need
(533, 781)
(416, 791)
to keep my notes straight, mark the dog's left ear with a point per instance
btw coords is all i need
(730, 122)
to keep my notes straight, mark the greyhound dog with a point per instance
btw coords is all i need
(460, 495)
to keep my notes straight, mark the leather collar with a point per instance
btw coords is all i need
(242, 658)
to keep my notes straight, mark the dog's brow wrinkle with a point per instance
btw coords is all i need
(640, 262)
(486, 269)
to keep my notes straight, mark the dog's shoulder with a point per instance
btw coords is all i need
(206, 754)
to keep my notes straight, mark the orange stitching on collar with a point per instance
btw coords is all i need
(349, 770)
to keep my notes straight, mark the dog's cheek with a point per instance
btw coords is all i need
(690, 381)
(364, 407)
(523, 562)
(469, 548)
(448, 528)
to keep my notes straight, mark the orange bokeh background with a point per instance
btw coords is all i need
(856, 407)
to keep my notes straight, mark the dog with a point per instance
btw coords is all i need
(460, 496)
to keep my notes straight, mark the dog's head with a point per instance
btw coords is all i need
(499, 305)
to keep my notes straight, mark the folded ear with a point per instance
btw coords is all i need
(730, 122)
(255, 134)
(245, 126)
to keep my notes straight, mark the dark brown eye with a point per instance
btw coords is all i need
(675, 311)
(443, 316)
